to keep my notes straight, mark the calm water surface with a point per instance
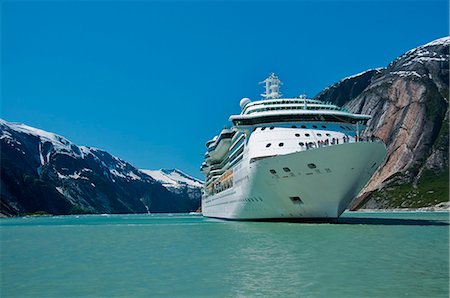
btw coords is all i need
(364, 255)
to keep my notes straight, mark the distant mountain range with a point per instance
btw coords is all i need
(408, 102)
(45, 172)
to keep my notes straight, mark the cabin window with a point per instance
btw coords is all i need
(328, 135)
(262, 128)
(312, 166)
(303, 126)
(319, 134)
(273, 171)
(296, 200)
(297, 134)
(307, 134)
(301, 144)
(271, 127)
(323, 126)
(281, 144)
(293, 126)
(268, 145)
(287, 170)
(314, 126)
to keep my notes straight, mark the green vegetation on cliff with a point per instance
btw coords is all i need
(431, 189)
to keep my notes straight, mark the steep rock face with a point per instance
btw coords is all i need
(348, 88)
(44, 172)
(408, 102)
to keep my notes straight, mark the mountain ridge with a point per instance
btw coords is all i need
(408, 102)
(45, 172)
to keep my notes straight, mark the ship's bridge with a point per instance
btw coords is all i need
(296, 113)
(274, 109)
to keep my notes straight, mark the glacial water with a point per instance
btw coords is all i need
(364, 255)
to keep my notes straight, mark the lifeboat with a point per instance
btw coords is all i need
(219, 148)
(205, 168)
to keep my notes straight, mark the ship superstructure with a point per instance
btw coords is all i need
(288, 158)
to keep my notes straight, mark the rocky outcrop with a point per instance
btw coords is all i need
(408, 102)
(348, 88)
(46, 173)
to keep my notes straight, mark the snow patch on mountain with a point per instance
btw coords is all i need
(117, 167)
(173, 178)
(405, 73)
(60, 143)
(426, 53)
(378, 70)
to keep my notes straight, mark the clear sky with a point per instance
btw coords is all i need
(152, 81)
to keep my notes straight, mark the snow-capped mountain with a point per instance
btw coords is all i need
(173, 178)
(42, 171)
(177, 182)
(51, 144)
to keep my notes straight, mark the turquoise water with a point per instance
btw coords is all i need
(364, 255)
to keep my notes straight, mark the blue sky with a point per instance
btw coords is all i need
(152, 81)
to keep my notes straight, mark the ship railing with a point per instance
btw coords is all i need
(336, 141)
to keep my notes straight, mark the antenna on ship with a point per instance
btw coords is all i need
(303, 96)
(272, 87)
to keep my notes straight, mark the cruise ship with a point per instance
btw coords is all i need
(288, 158)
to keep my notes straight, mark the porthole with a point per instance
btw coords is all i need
(319, 134)
(323, 126)
(328, 135)
(273, 171)
(307, 134)
(271, 127)
(268, 145)
(287, 170)
(312, 166)
(262, 128)
(281, 144)
(314, 126)
(293, 126)
(297, 134)
(301, 144)
(303, 126)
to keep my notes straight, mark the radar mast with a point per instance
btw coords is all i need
(272, 87)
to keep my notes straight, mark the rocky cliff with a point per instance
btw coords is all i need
(408, 102)
(44, 172)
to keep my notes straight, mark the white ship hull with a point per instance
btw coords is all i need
(340, 172)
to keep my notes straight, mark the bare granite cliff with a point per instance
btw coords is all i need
(408, 102)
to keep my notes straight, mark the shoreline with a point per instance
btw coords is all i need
(441, 207)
